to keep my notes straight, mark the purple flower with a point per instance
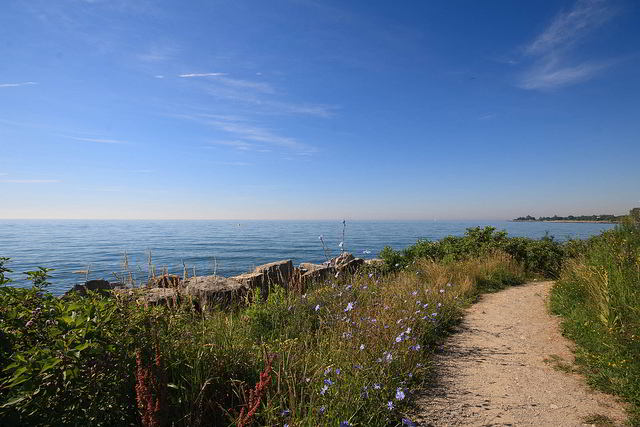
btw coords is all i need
(376, 386)
(327, 371)
(349, 307)
(324, 389)
(415, 347)
(399, 394)
(390, 405)
(442, 291)
(414, 293)
(344, 424)
(285, 413)
(327, 381)
(338, 371)
(317, 307)
(361, 346)
(408, 422)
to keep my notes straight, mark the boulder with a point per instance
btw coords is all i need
(251, 280)
(324, 272)
(165, 281)
(279, 272)
(346, 262)
(341, 259)
(102, 286)
(308, 266)
(159, 296)
(215, 290)
(350, 266)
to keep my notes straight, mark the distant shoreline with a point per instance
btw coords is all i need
(565, 220)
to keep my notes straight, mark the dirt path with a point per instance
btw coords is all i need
(494, 373)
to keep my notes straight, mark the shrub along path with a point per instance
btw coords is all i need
(509, 365)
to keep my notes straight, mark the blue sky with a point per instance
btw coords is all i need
(301, 109)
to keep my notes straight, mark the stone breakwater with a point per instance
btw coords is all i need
(207, 291)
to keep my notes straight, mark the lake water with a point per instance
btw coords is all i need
(229, 247)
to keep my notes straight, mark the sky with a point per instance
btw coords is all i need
(304, 109)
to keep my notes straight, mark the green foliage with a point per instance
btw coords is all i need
(599, 297)
(343, 351)
(543, 257)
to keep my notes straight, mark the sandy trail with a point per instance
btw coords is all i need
(493, 372)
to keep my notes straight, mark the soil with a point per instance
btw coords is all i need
(509, 365)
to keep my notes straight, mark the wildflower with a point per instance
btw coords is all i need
(434, 314)
(408, 331)
(349, 307)
(410, 375)
(400, 337)
(328, 381)
(408, 422)
(357, 366)
(449, 284)
(419, 365)
(442, 291)
(439, 304)
(321, 410)
(370, 275)
(327, 371)
(28, 324)
(390, 405)
(338, 371)
(348, 287)
(397, 265)
(376, 386)
(361, 347)
(364, 394)
(388, 356)
(317, 307)
(414, 293)
(285, 413)
(415, 347)
(344, 424)
(399, 394)
(324, 389)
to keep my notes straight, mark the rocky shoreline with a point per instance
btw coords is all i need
(213, 290)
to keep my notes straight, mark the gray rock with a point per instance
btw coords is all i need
(165, 281)
(215, 290)
(252, 280)
(102, 286)
(279, 272)
(350, 266)
(324, 272)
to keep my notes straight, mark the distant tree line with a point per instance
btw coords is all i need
(611, 218)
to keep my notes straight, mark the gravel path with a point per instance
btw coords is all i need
(502, 369)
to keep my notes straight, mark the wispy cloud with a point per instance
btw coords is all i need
(239, 145)
(201, 75)
(29, 181)
(99, 140)
(18, 84)
(552, 50)
(245, 134)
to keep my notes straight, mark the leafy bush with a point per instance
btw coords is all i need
(543, 257)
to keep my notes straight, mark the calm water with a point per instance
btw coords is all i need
(68, 245)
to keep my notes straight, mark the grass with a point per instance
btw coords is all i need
(353, 350)
(598, 294)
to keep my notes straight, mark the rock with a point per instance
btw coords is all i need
(341, 259)
(351, 266)
(252, 280)
(308, 266)
(374, 262)
(165, 281)
(324, 272)
(159, 296)
(279, 272)
(102, 286)
(150, 296)
(215, 290)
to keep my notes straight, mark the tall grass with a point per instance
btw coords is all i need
(599, 296)
(353, 350)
